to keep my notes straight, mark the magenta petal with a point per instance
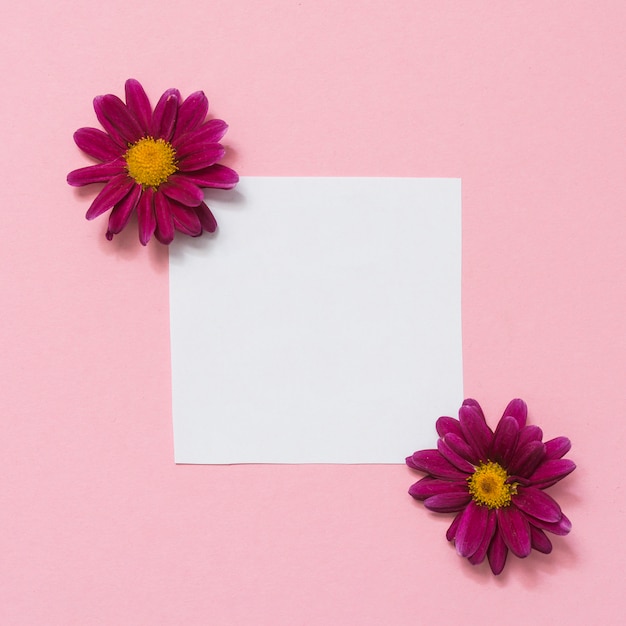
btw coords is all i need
(451, 532)
(517, 409)
(207, 219)
(471, 530)
(115, 117)
(200, 156)
(182, 190)
(185, 220)
(110, 195)
(497, 553)
(461, 447)
(138, 104)
(191, 145)
(557, 447)
(456, 459)
(490, 529)
(474, 404)
(562, 527)
(192, 113)
(111, 130)
(210, 132)
(97, 144)
(121, 212)
(448, 502)
(100, 173)
(539, 540)
(538, 504)
(475, 431)
(527, 459)
(431, 462)
(146, 218)
(216, 176)
(445, 425)
(164, 230)
(164, 117)
(429, 486)
(515, 530)
(550, 472)
(505, 440)
(527, 434)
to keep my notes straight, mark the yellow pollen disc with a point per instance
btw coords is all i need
(488, 486)
(151, 161)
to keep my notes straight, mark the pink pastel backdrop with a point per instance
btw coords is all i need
(524, 101)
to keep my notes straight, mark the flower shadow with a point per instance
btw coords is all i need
(87, 192)
(126, 246)
(530, 572)
(183, 246)
(233, 198)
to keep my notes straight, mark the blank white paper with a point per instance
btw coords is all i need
(322, 324)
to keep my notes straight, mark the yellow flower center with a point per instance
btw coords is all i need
(151, 161)
(488, 486)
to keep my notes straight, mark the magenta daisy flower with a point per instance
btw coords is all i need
(494, 482)
(154, 162)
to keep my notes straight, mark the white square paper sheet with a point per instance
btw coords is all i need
(321, 325)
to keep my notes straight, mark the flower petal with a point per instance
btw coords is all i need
(456, 459)
(451, 532)
(562, 527)
(216, 176)
(471, 530)
(515, 530)
(527, 459)
(474, 403)
(497, 553)
(461, 447)
(164, 117)
(538, 504)
(185, 220)
(100, 173)
(409, 461)
(207, 219)
(200, 156)
(490, 529)
(116, 119)
(445, 425)
(429, 486)
(475, 430)
(529, 433)
(121, 212)
(210, 132)
(138, 104)
(146, 219)
(182, 190)
(110, 128)
(431, 462)
(557, 447)
(505, 440)
(192, 112)
(110, 195)
(539, 540)
(164, 230)
(97, 144)
(550, 472)
(448, 502)
(517, 409)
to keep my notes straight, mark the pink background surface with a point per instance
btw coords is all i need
(523, 101)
